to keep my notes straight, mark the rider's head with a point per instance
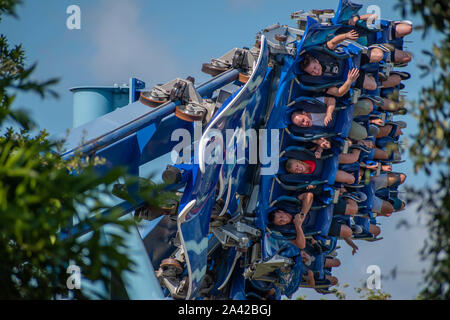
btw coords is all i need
(296, 166)
(311, 65)
(301, 119)
(280, 218)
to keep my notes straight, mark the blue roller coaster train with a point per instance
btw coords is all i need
(287, 149)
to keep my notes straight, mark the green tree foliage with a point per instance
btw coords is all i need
(364, 293)
(429, 146)
(14, 76)
(41, 194)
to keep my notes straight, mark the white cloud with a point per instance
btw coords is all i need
(125, 45)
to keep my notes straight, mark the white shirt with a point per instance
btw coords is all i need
(317, 119)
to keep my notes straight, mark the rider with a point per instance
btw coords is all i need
(315, 67)
(281, 217)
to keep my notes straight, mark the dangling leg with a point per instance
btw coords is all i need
(369, 83)
(334, 280)
(395, 179)
(402, 29)
(375, 230)
(386, 130)
(392, 81)
(351, 208)
(348, 158)
(380, 154)
(363, 107)
(332, 263)
(376, 55)
(344, 177)
(402, 56)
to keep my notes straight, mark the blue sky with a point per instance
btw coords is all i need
(157, 41)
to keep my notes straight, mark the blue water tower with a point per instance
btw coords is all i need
(91, 102)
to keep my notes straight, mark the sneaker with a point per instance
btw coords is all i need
(382, 76)
(324, 291)
(358, 196)
(401, 74)
(333, 254)
(361, 147)
(356, 229)
(400, 124)
(388, 46)
(401, 65)
(401, 111)
(384, 47)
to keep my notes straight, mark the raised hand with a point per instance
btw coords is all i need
(327, 119)
(353, 75)
(318, 153)
(378, 122)
(352, 35)
(298, 219)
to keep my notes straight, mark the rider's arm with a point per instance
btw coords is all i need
(342, 90)
(333, 43)
(300, 241)
(331, 104)
(352, 245)
(367, 16)
(307, 200)
(353, 20)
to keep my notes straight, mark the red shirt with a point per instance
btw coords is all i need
(311, 164)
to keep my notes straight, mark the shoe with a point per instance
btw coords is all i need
(383, 47)
(323, 291)
(333, 254)
(402, 75)
(401, 111)
(400, 65)
(388, 46)
(358, 196)
(355, 186)
(404, 22)
(382, 76)
(377, 100)
(356, 229)
(400, 124)
(361, 147)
